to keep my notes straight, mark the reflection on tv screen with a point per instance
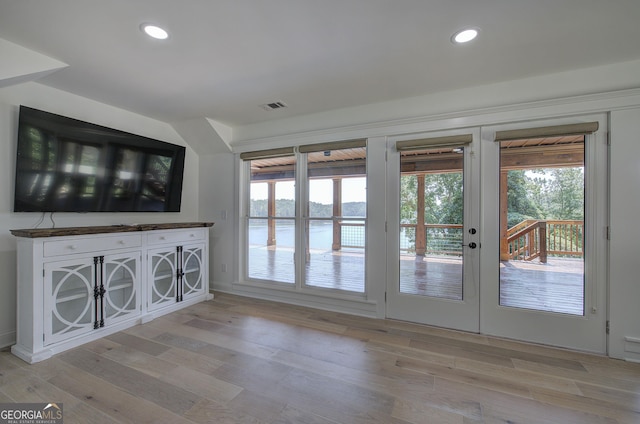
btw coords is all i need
(68, 165)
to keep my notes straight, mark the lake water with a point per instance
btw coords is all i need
(320, 235)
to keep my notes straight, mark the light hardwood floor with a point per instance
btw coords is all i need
(239, 360)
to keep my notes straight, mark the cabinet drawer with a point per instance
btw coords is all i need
(175, 236)
(97, 244)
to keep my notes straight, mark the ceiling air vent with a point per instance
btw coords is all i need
(273, 106)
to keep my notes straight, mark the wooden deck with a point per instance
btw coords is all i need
(557, 286)
(343, 270)
(436, 276)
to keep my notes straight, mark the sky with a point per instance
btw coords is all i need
(320, 191)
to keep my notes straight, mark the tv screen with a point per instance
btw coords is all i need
(67, 165)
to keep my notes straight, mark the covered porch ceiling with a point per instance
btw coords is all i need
(548, 152)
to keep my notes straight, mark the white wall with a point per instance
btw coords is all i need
(217, 197)
(624, 254)
(56, 101)
(457, 105)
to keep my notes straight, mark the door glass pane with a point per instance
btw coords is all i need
(120, 296)
(542, 224)
(337, 210)
(271, 222)
(163, 271)
(72, 291)
(271, 250)
(431, 222)
(192, 277)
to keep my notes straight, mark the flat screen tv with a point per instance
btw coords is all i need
(67, 165)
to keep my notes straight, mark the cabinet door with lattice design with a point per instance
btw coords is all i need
(69, 304)
(121, 284)
(163, 277)
(192, 270)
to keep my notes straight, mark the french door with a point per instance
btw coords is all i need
(433, 241)
(502, 231)
(543, 278)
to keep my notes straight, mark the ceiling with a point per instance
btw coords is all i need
(224, 58)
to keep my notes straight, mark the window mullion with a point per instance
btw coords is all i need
(302, 190)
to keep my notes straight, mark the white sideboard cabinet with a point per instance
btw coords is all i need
(176, 267)
(82, 283)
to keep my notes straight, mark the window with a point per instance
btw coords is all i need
(322, 240)
(271, 218)
(335, 220)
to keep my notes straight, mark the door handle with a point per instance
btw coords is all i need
(471, 245)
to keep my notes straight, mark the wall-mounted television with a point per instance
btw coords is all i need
(67, 165)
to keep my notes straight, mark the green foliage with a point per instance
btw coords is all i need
(443, 198)
(514, 218)
(560, 192)
(408, 199)
(552, 193)
(519, 200)
(258, 208)
(444, 201)
(354, 209)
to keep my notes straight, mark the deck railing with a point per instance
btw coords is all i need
(531, 239)
(528, 240)
(352, 234)
(565, 238)
(441, 239)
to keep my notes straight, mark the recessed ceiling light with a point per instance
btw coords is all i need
(464, 36)
(154, 31)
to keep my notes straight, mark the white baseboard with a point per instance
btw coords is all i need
(7, 338)
(632, 349)
(352, 306)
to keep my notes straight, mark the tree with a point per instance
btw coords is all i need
(408, 199)
(258, 207)
(520, 201)
(444, 200)
(566, 193)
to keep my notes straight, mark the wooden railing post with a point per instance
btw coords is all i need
(271, 212)
(421, 233)
(542, 233)
(504, 225)
(337, 212)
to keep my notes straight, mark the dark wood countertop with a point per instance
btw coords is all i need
(104, 229)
